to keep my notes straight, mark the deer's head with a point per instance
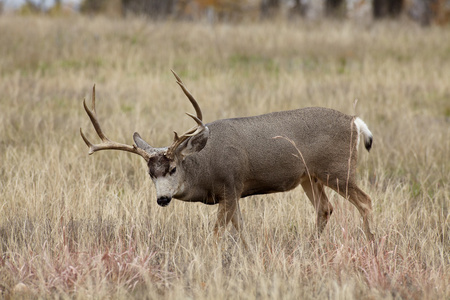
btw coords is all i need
(164, 164)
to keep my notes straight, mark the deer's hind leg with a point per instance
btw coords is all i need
(314, 189)
(349, 190)
(238, 224)
(364, 205)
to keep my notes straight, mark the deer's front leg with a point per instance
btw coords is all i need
(229, 211)
(227, 208)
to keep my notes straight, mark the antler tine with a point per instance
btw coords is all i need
(93, 99)
(176, 76)
(106, 144)
(89, 144)
(191, 98)
(175, 137)
(93, 116)
(195, 128)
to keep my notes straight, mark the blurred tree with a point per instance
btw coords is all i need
(270, 8)
(108, 7)
(335, 8)
(299, 8)
(93, 6)
(430, 11)
(387, 8)
(217, 9)
(152, 8)
(441, 11)
(30, 7)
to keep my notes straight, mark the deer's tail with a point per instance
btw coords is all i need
(364, 130)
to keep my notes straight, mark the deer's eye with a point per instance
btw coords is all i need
(171, 172)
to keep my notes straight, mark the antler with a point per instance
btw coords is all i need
(106, 144)
(177, 141)
(191, 98)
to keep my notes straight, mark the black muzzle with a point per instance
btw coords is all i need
(163, 201)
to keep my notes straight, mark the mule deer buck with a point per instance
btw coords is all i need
(225, 160)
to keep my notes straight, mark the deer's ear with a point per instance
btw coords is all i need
(140, 143)
(193, 144)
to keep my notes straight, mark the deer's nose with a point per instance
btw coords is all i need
(163, 201)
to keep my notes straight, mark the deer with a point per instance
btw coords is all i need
(229, 159)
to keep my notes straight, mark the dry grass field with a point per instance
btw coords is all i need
(79, 226)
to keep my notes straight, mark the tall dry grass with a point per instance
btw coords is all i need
(79, 226)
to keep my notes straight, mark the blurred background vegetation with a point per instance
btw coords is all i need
(426, 12)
